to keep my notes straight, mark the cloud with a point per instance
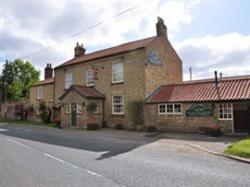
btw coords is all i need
(228, 53)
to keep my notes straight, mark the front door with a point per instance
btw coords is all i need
(241, 121)
(73, 115)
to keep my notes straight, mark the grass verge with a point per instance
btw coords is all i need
(240, 148)
(23, 122)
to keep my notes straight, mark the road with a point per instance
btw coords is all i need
(40, 156)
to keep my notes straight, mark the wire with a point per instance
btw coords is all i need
(85, 30)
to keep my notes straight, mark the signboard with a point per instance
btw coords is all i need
(154, 58)
(200, 110)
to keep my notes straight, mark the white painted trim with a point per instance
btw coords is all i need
(118, 113)
(86, 77)
(169, 113)
(225, 119)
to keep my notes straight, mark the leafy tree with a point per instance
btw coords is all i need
(16, 79)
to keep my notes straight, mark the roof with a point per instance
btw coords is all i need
(228, 89)
(109, 52)
(87, 92)
(45, 81)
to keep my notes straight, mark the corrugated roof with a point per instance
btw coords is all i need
(45, 81)
(84, 91)
(109, 52)
(228, 89)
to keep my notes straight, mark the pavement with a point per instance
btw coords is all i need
(41, 156)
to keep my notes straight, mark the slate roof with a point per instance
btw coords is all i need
(228, 89)
(87, 92)
(109, 52)
(45, 81)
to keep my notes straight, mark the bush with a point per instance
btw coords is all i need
(151, 128)
(92, 125)
(213, 130)
(45, 112)
(119, 126)
(136, 112)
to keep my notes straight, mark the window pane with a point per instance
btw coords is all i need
(170, 108)
(117, 72)
(162, 108)
(177, 108)
(90, 77)
(118, 104)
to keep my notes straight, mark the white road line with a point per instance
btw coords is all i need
(72, 165)
(18, 143)
(3, 130)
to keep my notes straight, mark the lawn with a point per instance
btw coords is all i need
(23, 122)
(240, 148)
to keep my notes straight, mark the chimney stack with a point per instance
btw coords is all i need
(161, 28)
(48, 72)
(79, 50)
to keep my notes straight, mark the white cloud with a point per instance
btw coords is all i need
(228, 53)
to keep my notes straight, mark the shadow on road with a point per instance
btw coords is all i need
(85, 140)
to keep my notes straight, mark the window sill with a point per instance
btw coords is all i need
(120, 82)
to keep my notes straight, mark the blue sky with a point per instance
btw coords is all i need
(208, 35)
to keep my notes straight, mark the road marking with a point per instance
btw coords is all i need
(18, 143)
(72, 165)
(3, 130)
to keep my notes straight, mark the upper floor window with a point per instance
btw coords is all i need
(39, 92)
(68, 79)
(169, 108)
(90, 81)
(226, 111)
(117, 73)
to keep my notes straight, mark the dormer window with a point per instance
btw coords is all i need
(90, 81)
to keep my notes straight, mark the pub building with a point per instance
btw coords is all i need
(193, 104)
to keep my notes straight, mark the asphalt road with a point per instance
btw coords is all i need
(37, 156)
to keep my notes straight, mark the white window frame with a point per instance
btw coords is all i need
(78, 108)
(39, 92)
(90, 77)
(226, 110)
(159, 106)
(166, 106)
(117, 71)
(67, 108)
(122, 105)
(68, 79)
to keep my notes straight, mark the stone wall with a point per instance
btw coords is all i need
(181, 122)
(169, 72)
(85, 115)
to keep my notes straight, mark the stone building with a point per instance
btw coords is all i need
(43, 91)
(193, 104)
(122, 75)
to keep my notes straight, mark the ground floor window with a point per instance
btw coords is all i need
(226, 111)
(79, 108)
(118, 104)
(169, 108)
(67, 108)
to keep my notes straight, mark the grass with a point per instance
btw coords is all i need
(24, 122)
(240, 148)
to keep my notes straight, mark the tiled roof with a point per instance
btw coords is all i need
(228, 89)
(45, 81)
(84, 91)
(109, 52)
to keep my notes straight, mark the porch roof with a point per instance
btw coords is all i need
(87, 92)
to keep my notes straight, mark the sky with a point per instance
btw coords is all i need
(208, 35)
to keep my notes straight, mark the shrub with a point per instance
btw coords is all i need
(45, 112)
(136, 112)
(151, 128)
(119, 126)
(213, 130)
(92, 125)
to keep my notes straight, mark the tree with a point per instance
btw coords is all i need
(16, 79)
